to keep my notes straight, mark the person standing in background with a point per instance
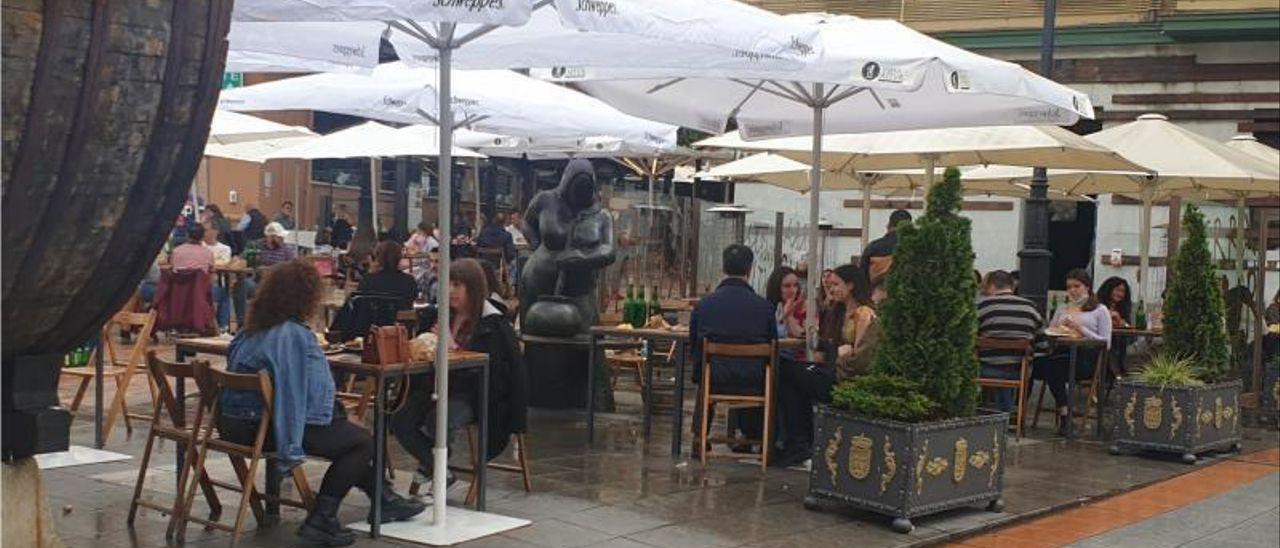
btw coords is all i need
(877, 258)
(341, 227)
(285, 216)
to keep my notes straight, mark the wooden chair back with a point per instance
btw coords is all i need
(727, 350)
(1019, 384)
(764, 351)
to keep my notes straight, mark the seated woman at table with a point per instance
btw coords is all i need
(1115, 295)
(850, 332)
(1082, 317)
(307, 419)
(475, 325)
(385, 283)
(783, 291)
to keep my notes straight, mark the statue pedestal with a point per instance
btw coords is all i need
(558, 377)
(26, 522)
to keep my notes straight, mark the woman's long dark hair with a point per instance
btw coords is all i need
(388, 255)
(773, 288)
(470, 275)
(1104, 295)
(289, 291)
(1082, 276)
(831, 328)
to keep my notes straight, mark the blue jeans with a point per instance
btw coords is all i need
(240, 295)
(1004, 396)
(221, 305)
(148, 291)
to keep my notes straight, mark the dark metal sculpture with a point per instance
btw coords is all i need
(106, 113)
(558, 285)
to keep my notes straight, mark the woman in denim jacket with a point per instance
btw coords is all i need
(307, 419)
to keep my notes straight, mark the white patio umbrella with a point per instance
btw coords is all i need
(868, 75)
(1182, 163)
(927, 148)
(623, 27)
(373, 141)
(232, 127)
(1250, 145)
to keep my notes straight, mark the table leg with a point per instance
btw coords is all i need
(482, 468)
(591, 389)
(647, 352)
(98, 369)
(379, 452)
(677, 407)
(1071, 394)
(180, 393)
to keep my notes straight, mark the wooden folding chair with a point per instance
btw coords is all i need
(1090, 386)
(708, 399)
(521, 465)
(1019, 384)
(212, 382)
(175, 430)
(119, 365)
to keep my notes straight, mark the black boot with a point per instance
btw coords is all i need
(1064, 425)
(322, 525)
(394, 506)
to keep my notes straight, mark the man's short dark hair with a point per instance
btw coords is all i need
(998, 279)
(738, 259)
(897, 217)
(195, 232)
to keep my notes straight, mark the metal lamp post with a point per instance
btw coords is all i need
(1035, 258)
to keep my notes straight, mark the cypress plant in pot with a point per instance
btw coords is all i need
(907, 440)
(1194, 407)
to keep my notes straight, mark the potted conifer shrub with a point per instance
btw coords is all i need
(907, 439)
(1185, 401)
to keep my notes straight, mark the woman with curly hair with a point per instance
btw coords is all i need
(307, 419)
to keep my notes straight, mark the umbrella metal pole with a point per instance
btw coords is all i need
(441, 450)
(1242, 213)
(866, 216)
(373, 190)
(815, 190)
(1144, 244)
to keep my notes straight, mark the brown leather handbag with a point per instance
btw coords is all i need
(386, 345)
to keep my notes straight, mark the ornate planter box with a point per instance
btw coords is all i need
(1185, 420)
(905, 470)
(1269, 395)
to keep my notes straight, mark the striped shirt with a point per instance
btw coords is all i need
(1007, 316)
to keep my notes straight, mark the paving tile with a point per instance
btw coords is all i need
(614, 520)
(682, 536)
(554, 533)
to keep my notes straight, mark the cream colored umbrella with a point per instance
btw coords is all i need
(1250, 145)
(1044, 146)
(1182, 163)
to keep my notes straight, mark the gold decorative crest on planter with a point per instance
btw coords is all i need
(961, 463)
(979, 459)
(1235, 412)
(936, 466)
(995, 459)
(924, 455)
(1203, 417)
(1152, 412)
(860, 457)
(890, 466)
(833, 448)
(1218, 414)
(1129, 408)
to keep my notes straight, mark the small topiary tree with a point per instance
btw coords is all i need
(1194, 325)
(930, 319)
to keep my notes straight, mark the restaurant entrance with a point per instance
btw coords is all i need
(1073, 228)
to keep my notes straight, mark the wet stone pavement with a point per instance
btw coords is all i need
(619, 493)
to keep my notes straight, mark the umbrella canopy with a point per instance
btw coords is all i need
(232, 127)
(1250, 145)
(254, 151)
(1039, 146)
(1182, 163)
(370, 140)
(498, 101)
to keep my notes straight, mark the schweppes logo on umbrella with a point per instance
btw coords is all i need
(601, 8)
(470, 5)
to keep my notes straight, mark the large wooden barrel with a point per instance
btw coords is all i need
(106, 110)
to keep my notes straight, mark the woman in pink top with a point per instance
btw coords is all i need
(192, 255)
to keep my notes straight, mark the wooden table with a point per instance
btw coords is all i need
(1074, 344)
(382, 375)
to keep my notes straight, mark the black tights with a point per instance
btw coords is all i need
(800, 385)
(1054, 369)
(348, 447)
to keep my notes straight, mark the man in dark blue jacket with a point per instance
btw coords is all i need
(733, 313)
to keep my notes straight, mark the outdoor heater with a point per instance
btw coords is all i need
(726, 225)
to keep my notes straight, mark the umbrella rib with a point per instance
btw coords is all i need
(432, 40)
(416, 31)
(429, 117)
(847, 93)
(734, 113)
(826, 99)
(809, 99)
(486, 29)
(664, 85)
(470, 120)
(782, 91)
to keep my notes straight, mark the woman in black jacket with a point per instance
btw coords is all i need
(379, 297)
(478, 326)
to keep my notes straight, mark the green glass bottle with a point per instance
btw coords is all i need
(641, 314)
(1140, 317)
(655, 304)
(629, 305)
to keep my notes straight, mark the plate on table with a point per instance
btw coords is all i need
(1059, 332)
